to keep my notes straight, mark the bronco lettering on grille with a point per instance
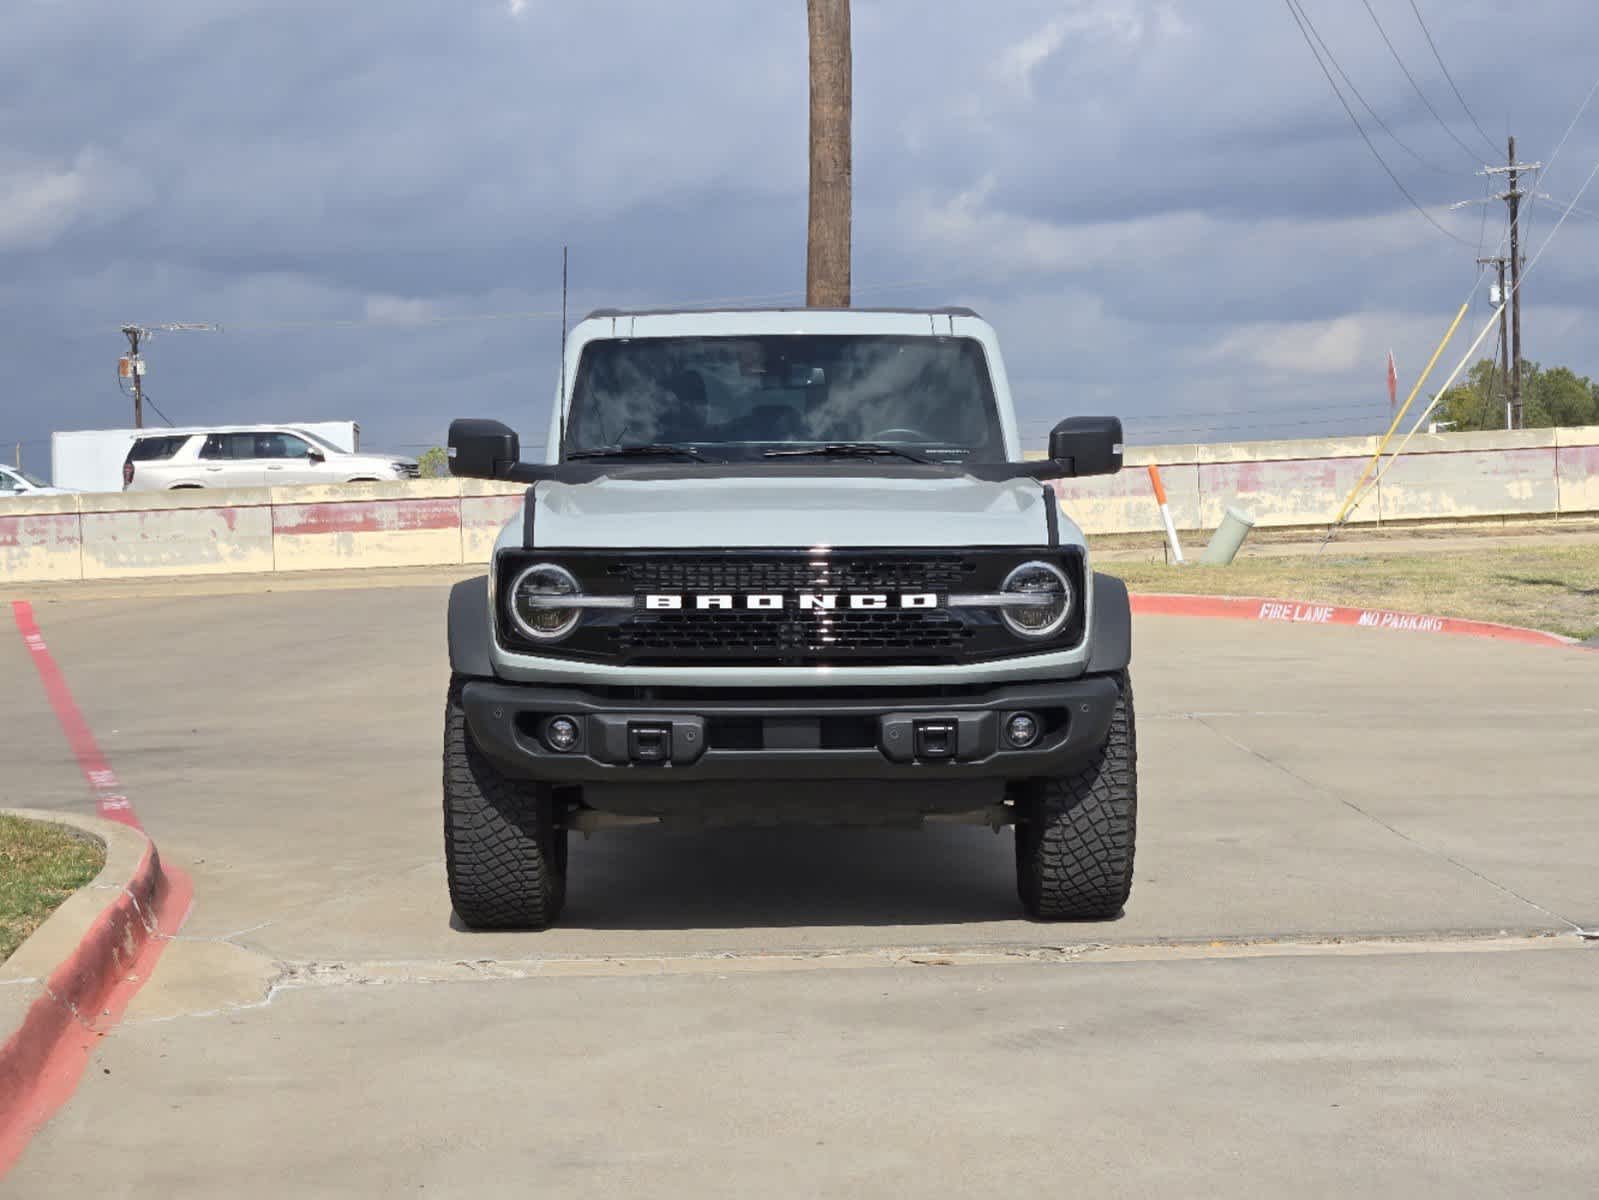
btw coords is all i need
(777, 601)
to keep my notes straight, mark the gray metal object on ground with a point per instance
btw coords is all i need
(1229, 537)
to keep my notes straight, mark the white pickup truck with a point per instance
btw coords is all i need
(784, 567)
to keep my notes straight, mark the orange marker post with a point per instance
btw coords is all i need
(1165, 513)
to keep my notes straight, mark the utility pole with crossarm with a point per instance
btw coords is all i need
(1512, 196)
(133, 368)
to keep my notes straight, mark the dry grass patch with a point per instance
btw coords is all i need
(1552, 588)
(40, 866)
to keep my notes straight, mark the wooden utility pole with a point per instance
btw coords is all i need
(1514, 197)
(827, 259)
(1504, 336)
(133, 333)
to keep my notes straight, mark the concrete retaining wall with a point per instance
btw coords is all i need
(425, 522)
(1446, 476)
(429, 522)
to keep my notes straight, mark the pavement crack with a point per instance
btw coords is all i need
(1431, 851)
(223, 938)
(353, 890)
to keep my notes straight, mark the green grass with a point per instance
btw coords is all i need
(1555, 588)
(40, 866)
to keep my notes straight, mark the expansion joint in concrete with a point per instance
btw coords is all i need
(1431, 851)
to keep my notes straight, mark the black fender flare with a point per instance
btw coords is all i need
(469, 629)
(1110, 641)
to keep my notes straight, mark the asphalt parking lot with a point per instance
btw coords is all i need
(1349, 963)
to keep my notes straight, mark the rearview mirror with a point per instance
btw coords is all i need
(1087, 445)
(482, 449)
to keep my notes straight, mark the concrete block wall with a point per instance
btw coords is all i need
(430, 522)
(1448, 476)
(427, 522)
(43, 541)
(1577, 473)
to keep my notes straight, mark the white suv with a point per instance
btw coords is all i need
(254, 456)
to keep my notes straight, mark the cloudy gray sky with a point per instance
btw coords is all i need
(1159, 203)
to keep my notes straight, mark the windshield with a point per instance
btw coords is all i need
(27, 477)
(735, 397)
(321, 442)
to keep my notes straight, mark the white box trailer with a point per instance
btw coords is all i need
(90, 460)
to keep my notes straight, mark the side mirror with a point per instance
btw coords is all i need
(1087, 445)
(315, 455)
(483, 449)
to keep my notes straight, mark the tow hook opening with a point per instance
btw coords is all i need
(649, 743)
(935, 739)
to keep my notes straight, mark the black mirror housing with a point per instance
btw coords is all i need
(481, 449)
(1087, 445)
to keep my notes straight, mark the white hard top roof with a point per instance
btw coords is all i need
(749, 322)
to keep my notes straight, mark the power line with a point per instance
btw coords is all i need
(1482, 234)
(1383, 125)
(383, 322)
(1582, 108)
(1560, 145)
(1303, 21)
(1391, 50)
(1466, 108)
(145, 398)
(1583, 212)
(158, 411)
(796, 297)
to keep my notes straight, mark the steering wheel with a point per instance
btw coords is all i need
(907, 435)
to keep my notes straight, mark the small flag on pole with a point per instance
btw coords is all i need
(1393, 382)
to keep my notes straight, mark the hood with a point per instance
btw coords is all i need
(949, 510)
(368, 458)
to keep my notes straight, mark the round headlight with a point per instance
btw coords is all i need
(535, 602)
(1046, 582)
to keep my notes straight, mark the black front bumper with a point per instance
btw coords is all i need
(810, 736)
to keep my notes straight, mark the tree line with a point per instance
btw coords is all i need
(1549, 396)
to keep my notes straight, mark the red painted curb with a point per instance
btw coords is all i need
(41, 1063)
(1300, 612)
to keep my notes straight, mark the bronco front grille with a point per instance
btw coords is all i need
(780, 635)
(797, 572)
(791, 635)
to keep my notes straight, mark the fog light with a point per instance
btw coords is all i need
(561, 733)
(1021, 730)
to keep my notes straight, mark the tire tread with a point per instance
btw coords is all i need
(504, 855)
(1074, 848)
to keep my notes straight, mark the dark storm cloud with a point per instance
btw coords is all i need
(1160, 204)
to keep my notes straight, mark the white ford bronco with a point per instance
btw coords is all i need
(781, 567)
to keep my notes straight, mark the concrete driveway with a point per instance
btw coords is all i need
(1349, 963)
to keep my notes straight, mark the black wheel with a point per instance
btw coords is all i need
(504, 851)
(1075, 836)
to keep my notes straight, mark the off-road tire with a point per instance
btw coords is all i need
(503, 849)
(1076, 833)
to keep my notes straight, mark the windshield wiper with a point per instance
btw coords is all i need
(846, 450)
(651, 450)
